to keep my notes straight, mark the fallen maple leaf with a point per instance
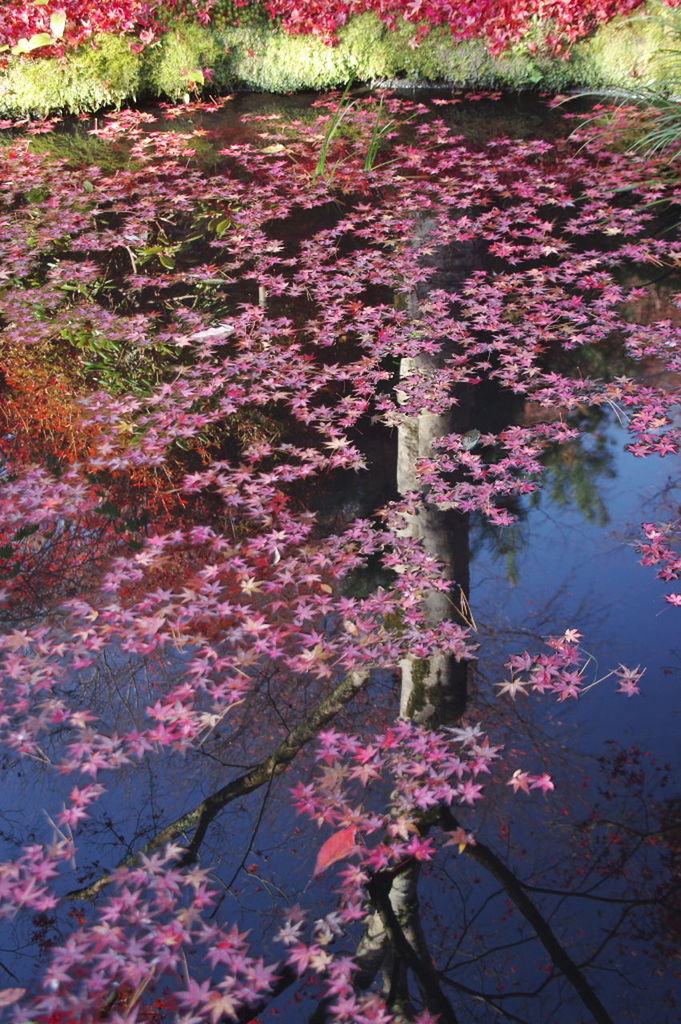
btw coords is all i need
(339, 845)
(10, 995)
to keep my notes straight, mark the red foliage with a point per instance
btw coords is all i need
(145, 18)
(500, 22)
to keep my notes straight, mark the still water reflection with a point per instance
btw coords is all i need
(565, 909)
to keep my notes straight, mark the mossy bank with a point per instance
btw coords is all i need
(258, 56)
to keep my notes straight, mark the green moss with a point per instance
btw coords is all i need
(371, 51)
(174, 66)
(394, 621)
(272, 61)
(269, 60)
(627, 51)
(257, 55)
(102, 74)
(263, 58)
(420, 667)
(440, 58)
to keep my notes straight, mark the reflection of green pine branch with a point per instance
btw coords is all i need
(505, 542)
(571, 480)
(573, 471)
(509, 545)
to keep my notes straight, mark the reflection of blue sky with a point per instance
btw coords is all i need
(602, 589)
(589, 577)
(571, 573)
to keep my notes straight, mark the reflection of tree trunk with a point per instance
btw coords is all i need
(377, 953)
(396, 900)
(434, 689)
(394, 943)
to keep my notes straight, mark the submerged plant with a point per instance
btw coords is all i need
(343, 109)
(379, 132)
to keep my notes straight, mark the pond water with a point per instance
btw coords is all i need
(304, 392)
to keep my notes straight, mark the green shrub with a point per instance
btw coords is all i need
(173, 66)
(103, 73)
(253, 53)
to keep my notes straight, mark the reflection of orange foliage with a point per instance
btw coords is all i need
(37, 404)
(43, 424)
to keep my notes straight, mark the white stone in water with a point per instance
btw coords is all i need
(221, 331)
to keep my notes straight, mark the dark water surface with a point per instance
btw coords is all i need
(570, 561)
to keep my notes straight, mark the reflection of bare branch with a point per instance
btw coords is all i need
(254, 832)
(201, 816)
(490, 951)
(192, 849)
(559, 955)
(489, 1000)
(630, 901)
(608, 937)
